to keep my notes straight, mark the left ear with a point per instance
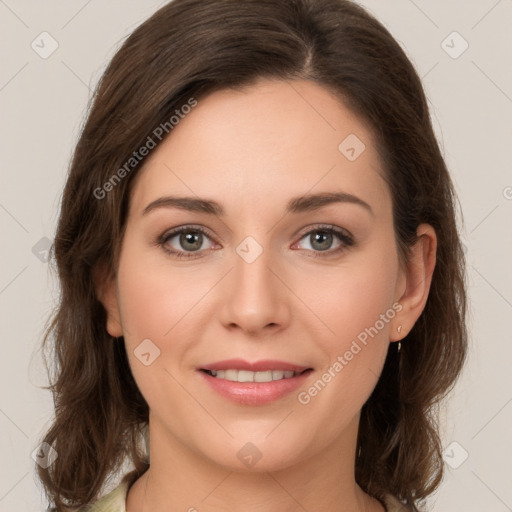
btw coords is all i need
(418, 278)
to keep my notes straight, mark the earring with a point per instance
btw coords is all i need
(399, 329)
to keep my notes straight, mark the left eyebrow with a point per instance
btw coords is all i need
(312, 202)
(298, 204)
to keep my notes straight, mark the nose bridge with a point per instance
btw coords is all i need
(254, 299)
(251, 273)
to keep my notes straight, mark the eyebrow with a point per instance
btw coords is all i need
(299, 204)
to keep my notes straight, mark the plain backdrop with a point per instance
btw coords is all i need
(461, 49)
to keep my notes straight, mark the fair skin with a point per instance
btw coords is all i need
(253, 151)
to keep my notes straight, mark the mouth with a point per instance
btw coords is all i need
(236, 375)
(254, 383)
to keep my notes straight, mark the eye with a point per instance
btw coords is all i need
(321, 239)
(189, 239)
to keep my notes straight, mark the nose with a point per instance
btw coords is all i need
(255, 299)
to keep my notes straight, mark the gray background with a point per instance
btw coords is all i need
(43, 102)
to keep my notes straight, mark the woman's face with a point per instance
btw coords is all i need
(266, 280)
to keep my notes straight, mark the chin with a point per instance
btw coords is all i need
(255, 456)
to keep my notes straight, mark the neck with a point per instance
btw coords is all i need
(182, 479)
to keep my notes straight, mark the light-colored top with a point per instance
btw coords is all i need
(115, 501)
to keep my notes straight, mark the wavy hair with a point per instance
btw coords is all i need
(190, 48)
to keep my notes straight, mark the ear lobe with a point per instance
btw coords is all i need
(105, 287)
(418, 278)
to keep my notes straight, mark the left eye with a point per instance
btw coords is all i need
(321, 239)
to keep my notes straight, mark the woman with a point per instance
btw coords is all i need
(260, 268)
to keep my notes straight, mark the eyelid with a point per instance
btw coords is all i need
(171, 233)
(345, 238)
(324, 227)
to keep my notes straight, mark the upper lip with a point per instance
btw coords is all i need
(256, 366)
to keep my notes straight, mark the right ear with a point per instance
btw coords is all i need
(105, 287)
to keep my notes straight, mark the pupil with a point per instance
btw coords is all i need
(326, 236)
(190, 238)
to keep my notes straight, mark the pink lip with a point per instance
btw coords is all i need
(258, 366)
(255, 393)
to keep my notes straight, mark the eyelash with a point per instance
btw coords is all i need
(343, 236)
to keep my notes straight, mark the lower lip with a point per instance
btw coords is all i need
(255, 393)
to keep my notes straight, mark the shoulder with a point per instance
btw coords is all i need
(114, 501)
(393, 505)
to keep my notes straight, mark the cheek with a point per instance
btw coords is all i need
(351, 298)
(154, 322)
(156, 299)
(358, 309)
(156, 307)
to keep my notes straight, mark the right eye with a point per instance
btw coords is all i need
(189, 240)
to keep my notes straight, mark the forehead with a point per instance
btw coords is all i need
(264, 144)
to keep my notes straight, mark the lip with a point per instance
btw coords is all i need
(257, 366)
(254, 393)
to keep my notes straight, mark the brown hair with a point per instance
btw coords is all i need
(190, 48)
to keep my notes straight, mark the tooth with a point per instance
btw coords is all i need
(249, 376)
(231, 375)
(245, 376)
(263, 376)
